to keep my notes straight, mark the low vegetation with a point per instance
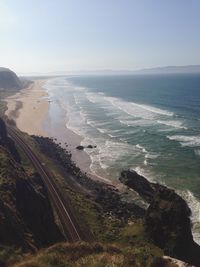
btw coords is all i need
(90, 255)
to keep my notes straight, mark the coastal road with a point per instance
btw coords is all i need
(69, 223)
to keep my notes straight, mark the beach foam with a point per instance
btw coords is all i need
(197, 152)
(194, 205)
(138, 110)
(143, 172)
(184, 140)
(172, 123)
(130, 134)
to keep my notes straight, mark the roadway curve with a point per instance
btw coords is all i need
(69, 223)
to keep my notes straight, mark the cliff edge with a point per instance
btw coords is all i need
(167, 219)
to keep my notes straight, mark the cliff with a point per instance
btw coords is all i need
(26, 216)
(9, 80)
(8, 143)
(167, 219)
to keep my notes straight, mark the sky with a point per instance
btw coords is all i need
(74, 35)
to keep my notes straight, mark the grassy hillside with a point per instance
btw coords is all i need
(90, 255)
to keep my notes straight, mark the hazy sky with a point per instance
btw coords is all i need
(55, 35)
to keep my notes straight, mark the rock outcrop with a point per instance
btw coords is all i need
(140, 184)
(26, 216)
(167, 219)
(9, 80)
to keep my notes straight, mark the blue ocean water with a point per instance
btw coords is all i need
(150, 123)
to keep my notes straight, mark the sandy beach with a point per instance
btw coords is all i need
(28, 108)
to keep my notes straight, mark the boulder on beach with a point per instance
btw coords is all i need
(91, 146)
(80, 147)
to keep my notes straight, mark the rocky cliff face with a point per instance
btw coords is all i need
(8, 143)
(167, 223)
(167, 219)
(9, 80)
(26, 216)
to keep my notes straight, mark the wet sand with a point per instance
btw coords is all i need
(29, 108)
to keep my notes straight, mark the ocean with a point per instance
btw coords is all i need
(150, 123)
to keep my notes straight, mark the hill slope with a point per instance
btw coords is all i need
(26, 216)
(9, 80)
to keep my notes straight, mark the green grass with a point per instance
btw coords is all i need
(10, 255)
(78, 254)
(83, 254)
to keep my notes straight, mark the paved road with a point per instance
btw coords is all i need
(69, 223)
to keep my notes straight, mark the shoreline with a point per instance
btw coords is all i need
(21, 109)
(30, 107)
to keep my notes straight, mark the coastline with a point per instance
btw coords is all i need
(21, 109)
(29, 108)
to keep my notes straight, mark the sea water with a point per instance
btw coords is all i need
(150, 123)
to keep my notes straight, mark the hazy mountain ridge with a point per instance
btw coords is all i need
(157, 70)
(171, 70)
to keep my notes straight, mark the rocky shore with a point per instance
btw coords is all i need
(167, 219)
(107, 196)
(164, 223)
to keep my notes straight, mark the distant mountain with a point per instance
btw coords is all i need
(171, 70)
(9, 80)
(103, 72)
(158, 70)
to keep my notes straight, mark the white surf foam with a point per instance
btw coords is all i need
(109, 152)
(197, 152)
(194, 205)
(184, 140)
(102, 130)
(143, 149)
(145, 162)
(145, 115)
(155, 110)
(140, 122)
(144, 173)
(172, 123)
(151, 156)
(93, 98)
(138, 110)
